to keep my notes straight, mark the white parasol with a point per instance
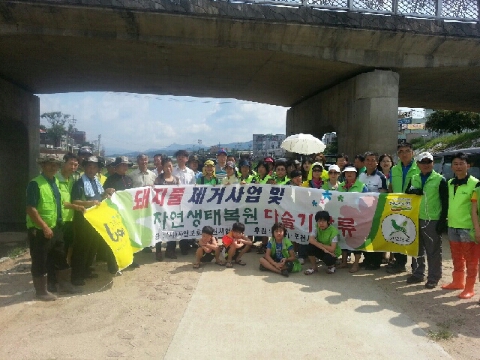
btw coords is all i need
(305, 144)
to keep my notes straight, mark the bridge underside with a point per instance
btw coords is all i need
(201, 48)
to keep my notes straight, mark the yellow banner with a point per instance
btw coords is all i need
(109, 224)
(395, 225)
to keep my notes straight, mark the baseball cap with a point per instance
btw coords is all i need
(109, 161)
(222, 151)
(334, 168)
(424, 155)
(85, 151)
(122, 160)
(209, 162)
(244, 163)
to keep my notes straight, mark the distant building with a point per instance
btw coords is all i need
(411, 124)
(329, 138)
(268, 145)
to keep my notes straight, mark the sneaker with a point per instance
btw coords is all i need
(396, 269)
(284, 272)
(431, 284)
(414, 280)
(301, 261)
(330, 269)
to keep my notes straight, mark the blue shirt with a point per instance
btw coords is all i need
(405, 171)
(278, 251)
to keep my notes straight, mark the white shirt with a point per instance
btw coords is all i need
(375, 181)
(230, 180)
(140, 178)
(185, 176)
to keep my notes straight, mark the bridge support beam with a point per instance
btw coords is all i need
(19, 142)
(362, 111)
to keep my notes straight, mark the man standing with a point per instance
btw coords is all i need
(66, 181)
(463, 227)
(375, 182)
(86, 192)
(120, 180)
(44, 223)
(433, 220)
(142, 176)
(402, 174)
(109, 166)
(220, 171)
(157, 161)
(185, 176)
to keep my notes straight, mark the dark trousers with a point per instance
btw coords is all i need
(373, 258)
(400, 259)
(327, 258)
(430, 245)
(48, 255)
(67, 234)
(85, 244)
(183, 244)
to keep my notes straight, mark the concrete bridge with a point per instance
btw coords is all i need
(344, 71)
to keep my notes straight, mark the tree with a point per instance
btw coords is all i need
(57, 122)
(446, 121)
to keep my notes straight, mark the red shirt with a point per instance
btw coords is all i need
(227, 240)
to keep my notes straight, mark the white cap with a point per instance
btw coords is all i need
(424, 155)
(334, 168)
(350, 168)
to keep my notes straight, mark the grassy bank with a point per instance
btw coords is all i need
(447, 142)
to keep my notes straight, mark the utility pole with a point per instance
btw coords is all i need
(98, 148)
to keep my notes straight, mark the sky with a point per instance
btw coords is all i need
(138, 122)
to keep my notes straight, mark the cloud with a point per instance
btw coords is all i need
(140, 122)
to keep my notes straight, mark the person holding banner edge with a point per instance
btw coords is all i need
(402, 174)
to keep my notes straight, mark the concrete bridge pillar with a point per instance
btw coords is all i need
(19, 142)
(362, 111)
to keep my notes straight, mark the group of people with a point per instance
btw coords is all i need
(64, 245)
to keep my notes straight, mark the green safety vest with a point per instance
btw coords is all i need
(248, 180)
(430, 205)
(325, 237)
(356, 187)
(286, 243)
(65, 187)
(47, 206)
(264, 181)
(282, 182)
(397, 177)
(326, 186)
(460, 204)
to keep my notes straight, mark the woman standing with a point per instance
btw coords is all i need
(385, 163)
(166, 178)
(208, 174)
(262, 173)
(333, 174)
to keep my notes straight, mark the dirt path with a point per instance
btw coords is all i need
(136, 315)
